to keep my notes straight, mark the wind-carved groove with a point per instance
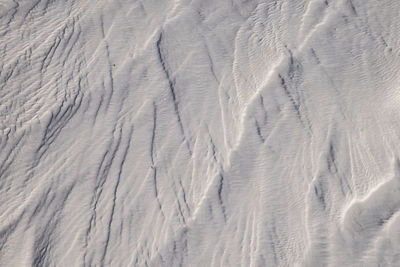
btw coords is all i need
(154, 168)
(115, 191)
(43, 243)
(153, 136)
(50, 53)
(353, 8)
(220, 188)
(6, 73)
(10, 155)
(110, 74)
(70, 37)
(294, 103)
(96, 114)
(293, 70)
(7, 230)
(110, 69)
(171, 84)
(101, 175)
(72, 46)
(57, 123)
(320, 194)
(183, 208)
(33, 7)
(212, 69)
(12, 17)
(217, 184)
(182, 216)
(259, 133)
(156, 191)
(184, 197)
(331, 161)
(95, 199)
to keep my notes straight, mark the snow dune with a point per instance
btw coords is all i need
(199, 133)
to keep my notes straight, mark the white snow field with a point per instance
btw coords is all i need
(199, 133)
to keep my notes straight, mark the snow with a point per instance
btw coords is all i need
(199, 133)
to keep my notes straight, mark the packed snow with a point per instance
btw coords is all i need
(199, 133)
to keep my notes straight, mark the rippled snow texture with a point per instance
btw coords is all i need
(200, 133)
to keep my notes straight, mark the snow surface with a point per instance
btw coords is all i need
(199, 133)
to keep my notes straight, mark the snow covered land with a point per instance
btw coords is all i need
(199, 133)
